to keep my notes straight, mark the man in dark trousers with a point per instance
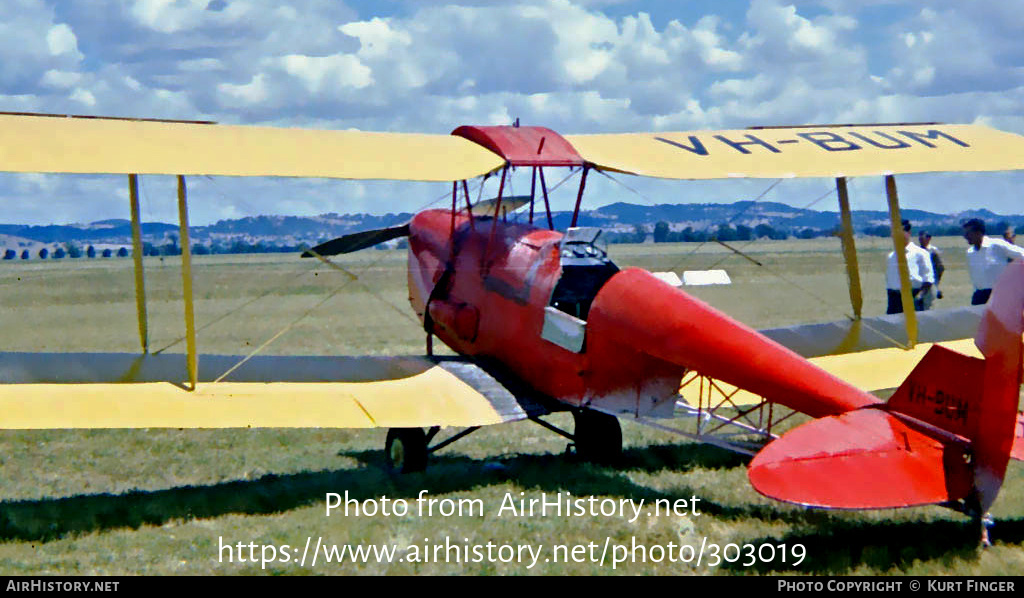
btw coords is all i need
(922, 277)
(986, 258)
(924, 239)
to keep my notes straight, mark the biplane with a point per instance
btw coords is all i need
(543, 320)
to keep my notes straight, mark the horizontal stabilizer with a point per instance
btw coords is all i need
(863, 459)
(356, 241)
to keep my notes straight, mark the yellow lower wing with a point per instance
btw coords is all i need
(363, 392)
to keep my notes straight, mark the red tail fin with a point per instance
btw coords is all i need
(945, 391)
(914, 450)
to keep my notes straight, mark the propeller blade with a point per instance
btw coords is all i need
(368, 238)
(356, 241)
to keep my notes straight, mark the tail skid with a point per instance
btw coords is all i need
(945, 436)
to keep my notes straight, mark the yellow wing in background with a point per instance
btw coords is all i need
(870, 371)
(117, 390)
(868, 353)
(822, 151)
(115, 146)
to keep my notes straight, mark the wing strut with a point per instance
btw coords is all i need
(140, 281)
(497, 208)
(899, 246)
(547, 202)
(186, 285)
(579, 195)
(849, 248)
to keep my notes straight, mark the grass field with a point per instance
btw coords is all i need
(165, 501)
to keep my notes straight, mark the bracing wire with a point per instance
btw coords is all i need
(731, 220)
(353, 277)
(752, 241)
(768, 269)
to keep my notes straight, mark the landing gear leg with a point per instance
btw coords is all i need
(598, 436)
(406, 450)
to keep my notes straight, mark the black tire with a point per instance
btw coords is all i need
(406, 450)
(598, 436)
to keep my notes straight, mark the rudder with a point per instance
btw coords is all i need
(999, 339)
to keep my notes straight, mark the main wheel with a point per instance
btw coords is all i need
(597, 435)
(406, 450)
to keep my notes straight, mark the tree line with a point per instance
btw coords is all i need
(73, 250)
(69, 250)
(723, 232)
(661, 233)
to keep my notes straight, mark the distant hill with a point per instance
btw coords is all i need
(265, 233)
(105, 231)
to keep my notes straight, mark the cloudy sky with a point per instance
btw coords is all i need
(577, 66)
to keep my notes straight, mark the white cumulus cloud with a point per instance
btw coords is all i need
(325, 73)
(241, 95)
(61, 40)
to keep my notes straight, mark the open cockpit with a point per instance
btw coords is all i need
(585, 268)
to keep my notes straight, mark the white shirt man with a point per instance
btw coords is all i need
(985, 261)
(919, 262)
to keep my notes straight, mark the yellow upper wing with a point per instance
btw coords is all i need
(804, 151)
(85, 145)
(97, 145)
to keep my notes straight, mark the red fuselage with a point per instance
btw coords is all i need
(489, 289)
